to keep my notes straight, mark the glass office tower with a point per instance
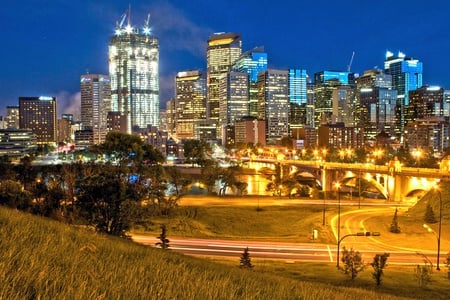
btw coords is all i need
(252, 62)
(233, 95)
(297, 99)
(133, 69)
(273, 103)
(406, 76)
(223, 50)
(190, 103)
(95, 104)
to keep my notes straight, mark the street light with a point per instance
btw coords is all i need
(438, 236)
(367, 233)
(338, 187)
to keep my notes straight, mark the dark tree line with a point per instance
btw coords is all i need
(108, 196)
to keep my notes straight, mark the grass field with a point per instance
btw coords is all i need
(42, 259)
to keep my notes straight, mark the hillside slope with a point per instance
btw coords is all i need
(43, 259)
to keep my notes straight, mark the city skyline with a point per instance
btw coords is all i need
(49, 47)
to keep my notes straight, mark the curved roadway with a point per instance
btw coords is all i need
(351, 222)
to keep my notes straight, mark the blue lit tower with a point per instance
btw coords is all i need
(297, 100)
(252, 62)
(133, 69)
(406, 76)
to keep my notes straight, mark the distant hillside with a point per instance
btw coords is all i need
(432, 197)
(43, 259)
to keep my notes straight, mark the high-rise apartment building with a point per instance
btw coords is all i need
(39, 115)
(190, 103)
(233, 99)
(252, 62)
(12, 117)
(223, 49)
(134, 73)
(273, 103)
(406, 76)
(95, 104)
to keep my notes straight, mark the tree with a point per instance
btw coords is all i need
(195, 150)
(394, 225)
(128, 148)
(378, 264)
(163, 240)
(429, 214)
(245, 261)
(209, 174)
(13, 195)
(423, 274)
(352, 261)
(104, 199)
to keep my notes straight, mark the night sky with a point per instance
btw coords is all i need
(47, 45)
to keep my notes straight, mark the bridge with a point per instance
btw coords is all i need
(393, 182)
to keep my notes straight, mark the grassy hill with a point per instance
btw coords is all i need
(43, 259)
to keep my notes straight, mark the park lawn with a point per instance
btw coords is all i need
(272, 223)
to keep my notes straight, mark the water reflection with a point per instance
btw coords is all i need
(256, 184)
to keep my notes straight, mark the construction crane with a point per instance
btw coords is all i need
(349, 66)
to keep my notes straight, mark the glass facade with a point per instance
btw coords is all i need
(190, 103)
(233, 95)
(223, 49)
(297, 98)
(406, 76)
(95, 104)
(134, 73)
(252, 62)
(273, 103)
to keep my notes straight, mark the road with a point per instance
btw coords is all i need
(293, 252)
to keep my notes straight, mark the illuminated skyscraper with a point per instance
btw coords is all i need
(325, 85)
(376, 103)
(12, 117)
(39, 115)
(190, 103)
(252, 62)
(233, 95)
(273, 103)
(133, 69)
(95, 104)
(222, 51)
(406, 76)
(297, 100)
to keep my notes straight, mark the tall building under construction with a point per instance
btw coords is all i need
(134, 73)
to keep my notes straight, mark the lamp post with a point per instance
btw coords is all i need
(338, 187)
(367, 233)
(438, 236)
